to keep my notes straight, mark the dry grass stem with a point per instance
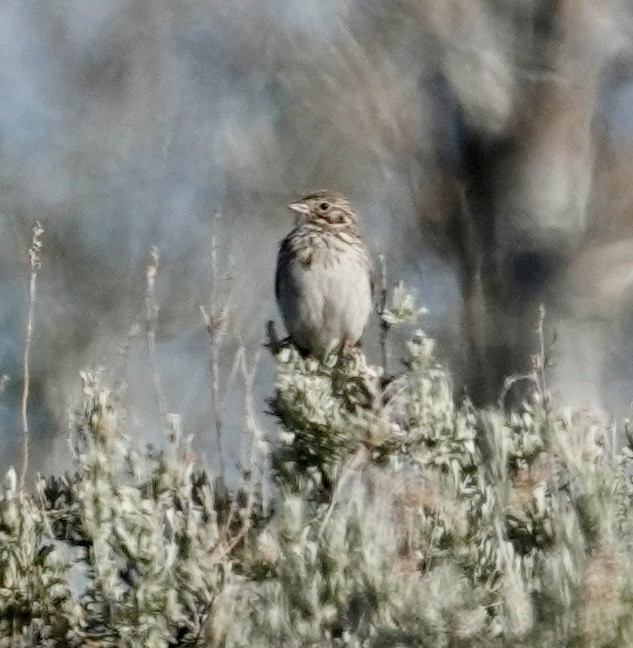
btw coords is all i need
(217, 320)
(256, 469)
(35, 262)
(540, 363)
(384, 325)
(151, 325)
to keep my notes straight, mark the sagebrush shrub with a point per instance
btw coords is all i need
(403, 516)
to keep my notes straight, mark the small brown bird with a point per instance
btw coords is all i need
(323, 282)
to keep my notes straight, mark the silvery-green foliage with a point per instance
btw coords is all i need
(403, 517)
(143, 530)
(522, 508)
(325, 409)
(36, 604)
(403, 309)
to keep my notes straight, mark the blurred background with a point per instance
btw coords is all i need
(486, 144)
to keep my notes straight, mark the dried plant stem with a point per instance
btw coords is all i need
(217, 323)
(355, 462)
(151, 325)
(218, 409)
(540, 360)
(256, 468)
(34, 258)
(539, 365)
(123, 355)
(248, 377)
(384, 326)
(256, 462)
(472, 244)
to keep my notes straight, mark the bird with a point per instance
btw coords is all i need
(323, 281)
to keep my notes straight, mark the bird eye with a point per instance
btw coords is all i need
(324, 206)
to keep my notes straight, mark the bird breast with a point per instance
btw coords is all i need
(325, 295)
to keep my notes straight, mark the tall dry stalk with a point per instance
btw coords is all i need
(217, 323)
(151, 325)
(35, 260)
(382, 305)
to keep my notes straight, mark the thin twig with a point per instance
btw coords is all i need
(218, 395)
(249, 407)
(151, 325)
(356, 461)
(217, 324)
(214, 333)
(256, 462)
(472, 247)
(384, 325)
(510, 381)
(123, 355)
(254, 476)
(35, 261)
(239, 362)
(540, 362)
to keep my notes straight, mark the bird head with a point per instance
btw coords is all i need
(326, 207)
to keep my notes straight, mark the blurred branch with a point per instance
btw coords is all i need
(151, 324)
(255, 471)
(228, 542)
(540, 362)
(216, 321)
(35, 260)
(384, 325)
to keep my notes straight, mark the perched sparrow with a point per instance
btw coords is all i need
(323, 281)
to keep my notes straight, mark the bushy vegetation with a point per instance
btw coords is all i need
(402, 516)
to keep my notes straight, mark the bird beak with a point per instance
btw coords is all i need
(299, 208)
